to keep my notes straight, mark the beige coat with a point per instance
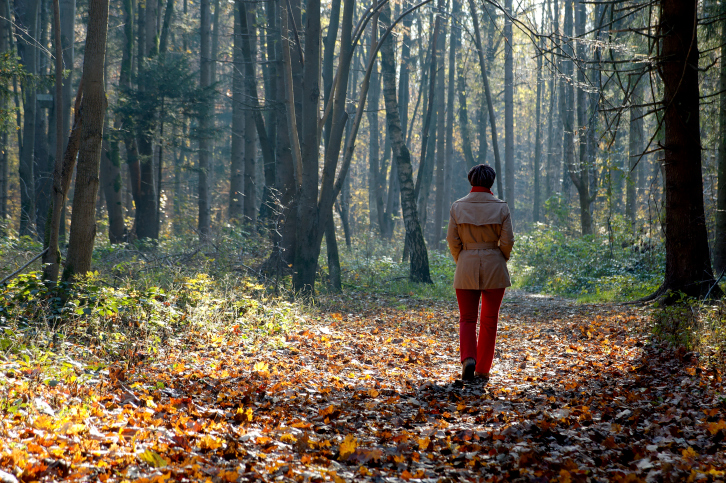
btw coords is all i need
(480, 238)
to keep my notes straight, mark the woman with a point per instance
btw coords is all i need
(480, 238)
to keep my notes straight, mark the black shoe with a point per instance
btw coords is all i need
(467, 369)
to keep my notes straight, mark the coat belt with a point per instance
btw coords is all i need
(480, 246)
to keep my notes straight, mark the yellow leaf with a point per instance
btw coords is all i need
(565, 476)
(373, 393)
(152, 458)
(348, 446)
(288, 438)
(248, 413)
(423, 443)
(209, 442)
(715, 427)
(689, 453)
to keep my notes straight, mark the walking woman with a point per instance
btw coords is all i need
(480, 238)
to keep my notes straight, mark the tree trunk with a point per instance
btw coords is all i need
(635, 148)
(719, 248)
(375, 196)
(285, 172)
(509, 108)
(93, 110)
(579, 171)
(328, 58)
(205, 121)
(487, 93)
(331, 247)
(236, 183)
(250, 171)
(537, 142)
(5, 32)
(453, 49)
(436, 234)
(308, 246)
(464, 121)
(253, 117)
(67, 32)
(28, 16)
(425, 167)
(419, 255)
(688, 266)
(267, 205)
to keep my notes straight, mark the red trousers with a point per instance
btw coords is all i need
(483, 351)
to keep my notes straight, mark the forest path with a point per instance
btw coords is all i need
(578, 393)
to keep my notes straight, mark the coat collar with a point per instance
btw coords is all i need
(480, 197)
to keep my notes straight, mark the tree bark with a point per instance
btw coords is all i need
(537, 143)
(635, 148)
(93, 110)
(236, 183)
(250, 171)
(205, 121)
(719, 248)
(111, 183)
(509, 196)
(267, 208)
(688, 265)
(451, 88)
(434, 237)
(419, 255)
(308, 246)
(28, 54)
(487, 93)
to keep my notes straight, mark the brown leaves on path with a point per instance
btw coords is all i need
(578, 393)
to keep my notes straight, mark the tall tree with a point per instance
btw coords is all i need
(488, 95)
(236, 181)
(308, 246)
(419, 256)
(250, 150)
(28, 19)
(579, 169)
(93, 110)
(719, 248)
(435, 235)
(509, 195)
(688, 265)
(205, 120)
(537, 141)
(635, 146)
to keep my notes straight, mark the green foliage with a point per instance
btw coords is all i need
(10, 67)
(590, 268)
(698, 326)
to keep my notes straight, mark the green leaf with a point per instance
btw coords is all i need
(152, 458)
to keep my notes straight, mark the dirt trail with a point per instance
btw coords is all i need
(578, 393)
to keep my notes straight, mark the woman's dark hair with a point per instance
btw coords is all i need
(482, 175)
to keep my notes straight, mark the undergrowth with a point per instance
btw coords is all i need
(696, 326)
(141, 300)
(593, 268)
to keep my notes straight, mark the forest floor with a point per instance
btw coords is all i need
(367, 389)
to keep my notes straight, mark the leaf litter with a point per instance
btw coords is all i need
(368, 392)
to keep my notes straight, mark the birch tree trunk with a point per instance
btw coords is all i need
(93, 110)
(419, 255)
